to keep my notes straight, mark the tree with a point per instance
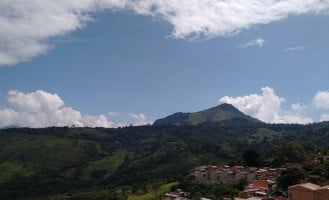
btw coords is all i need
(288, 151)
(251, 158)
(290, 177)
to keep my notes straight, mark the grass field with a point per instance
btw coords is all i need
(153, 192)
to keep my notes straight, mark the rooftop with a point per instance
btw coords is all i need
(309, 186)
(325, 187)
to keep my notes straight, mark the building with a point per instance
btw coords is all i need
(257, 188)
(261, 198)
(234, 174)
(322, 193)
(176, 195)
(308, 191)
(261, 180)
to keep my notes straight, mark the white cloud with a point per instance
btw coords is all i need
(38, 109)
(27, 26)
(257, 42)
(139, 119)
(113, 114)
(264, 107)
(96, 121)
(35, 101)
(298, 107)
(127, 119)
(42, 109)
(293, 118)
(324, 117)
(267, 107)
(321, 100)
(218, 18)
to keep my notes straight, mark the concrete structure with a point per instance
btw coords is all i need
(261, 198)
(257, 188)
(322, 193)
(261, 180)
(308, 191)
(177, 195)
(232, 175)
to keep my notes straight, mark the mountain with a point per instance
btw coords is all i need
(216, 114)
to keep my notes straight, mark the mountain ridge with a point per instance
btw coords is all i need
(218, 113)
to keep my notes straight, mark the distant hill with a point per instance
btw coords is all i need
(99, 163)
(216, 114)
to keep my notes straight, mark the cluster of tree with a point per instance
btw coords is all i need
(308, 156)
(207, 190)
(314, 173)
(54, 161)
(285, 152)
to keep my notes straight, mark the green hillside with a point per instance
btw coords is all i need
(99, 163)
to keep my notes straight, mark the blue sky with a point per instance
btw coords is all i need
(114, 63)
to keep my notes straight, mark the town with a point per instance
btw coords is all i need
(260, 183)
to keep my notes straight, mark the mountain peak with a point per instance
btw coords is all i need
(216, 114)
(230, 108)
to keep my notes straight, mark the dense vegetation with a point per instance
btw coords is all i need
(99, 163)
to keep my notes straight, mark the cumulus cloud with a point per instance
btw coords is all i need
(96, 121)
(321, 100)
(257, 42)
(267, 107)
(127, 119)
(113, 114)
(264, 107)
(35, 102)
(28, 26)
(37, 109)
(218, 18)
(139, 119)
(298, 107)
(42, 109)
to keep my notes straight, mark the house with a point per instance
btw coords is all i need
(268, 173)
(257, 188)
(248, 193)
(176, 195)
(234, 174)
(261, 198)
(322, 193)
(308, 191)
(201, 173)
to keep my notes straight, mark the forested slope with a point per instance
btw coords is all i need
(50, 162)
